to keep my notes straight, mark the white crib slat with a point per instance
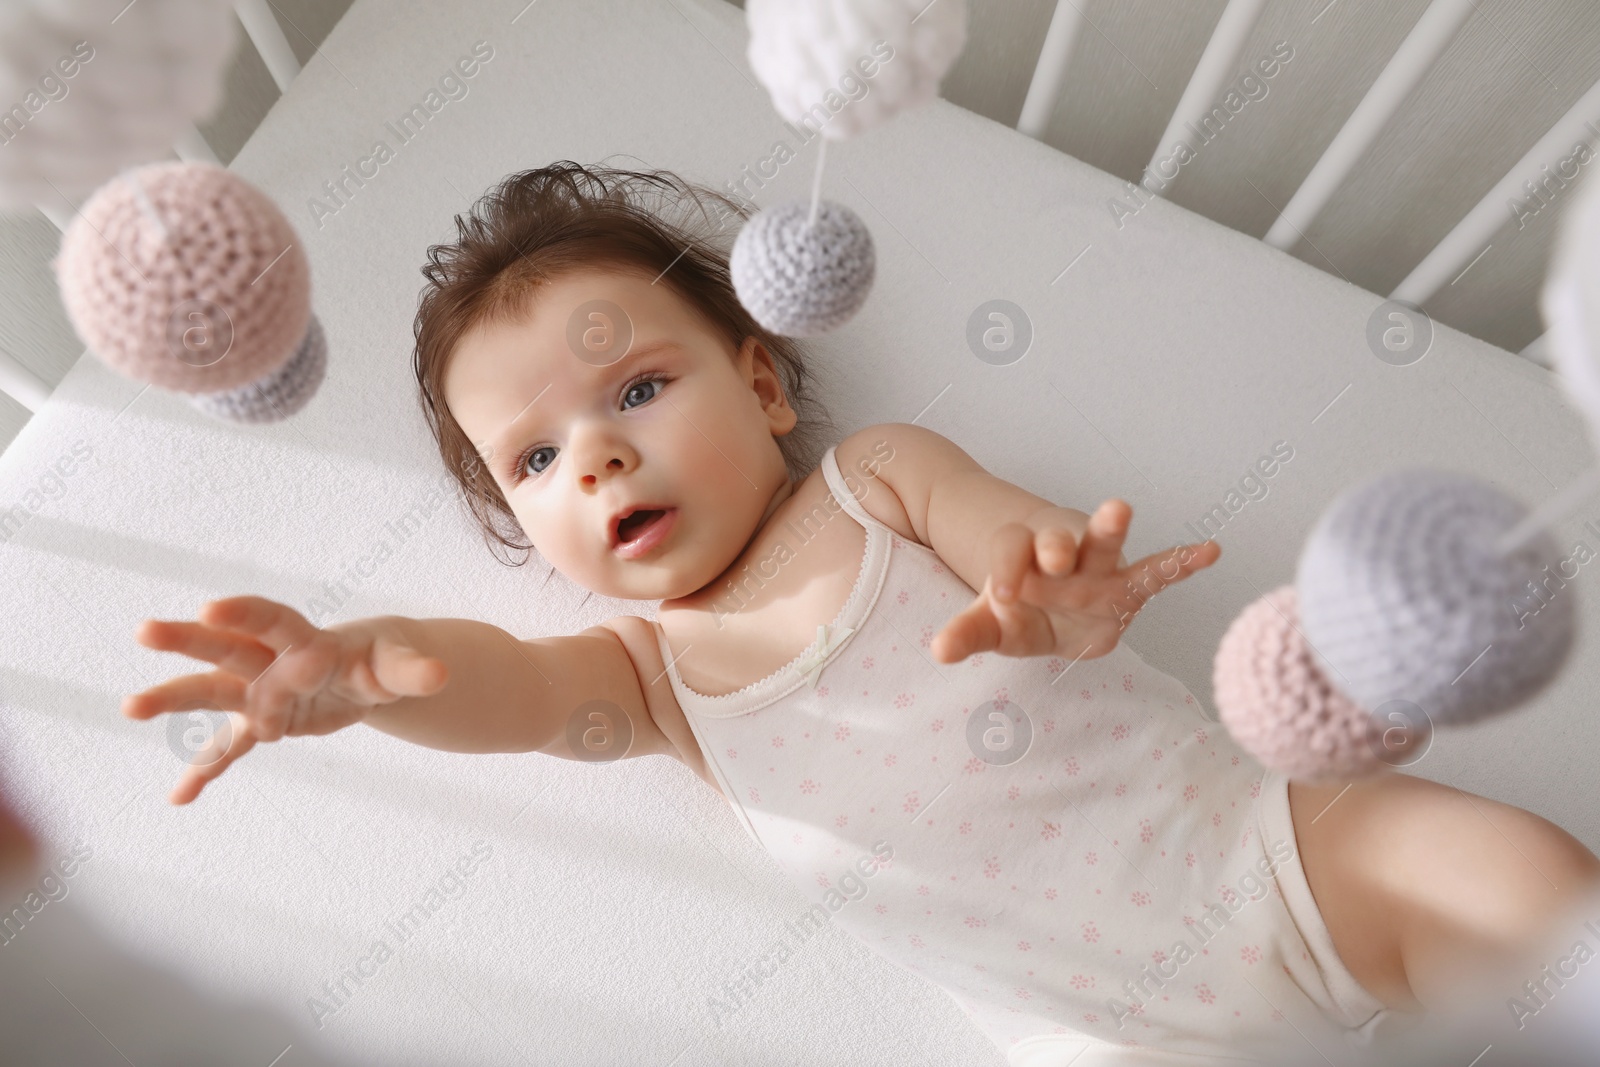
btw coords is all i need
(1051, 70)
(1538, 351)
(21, 384)
(60, 218)
(1218, 63)
(1473, 232)
(267, 36)
(1415, 56)
(192, 147)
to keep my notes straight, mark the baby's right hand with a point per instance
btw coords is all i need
(277, 675)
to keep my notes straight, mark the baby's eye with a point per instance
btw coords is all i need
(531, 464)
(637, 391)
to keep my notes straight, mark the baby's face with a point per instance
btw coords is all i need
(681, 423)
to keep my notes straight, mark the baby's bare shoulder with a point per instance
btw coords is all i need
(658, 721)
(887, 455)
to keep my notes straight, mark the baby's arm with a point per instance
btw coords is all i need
(452, 684)
(955, 505)
(1049, 580)
(505, 694)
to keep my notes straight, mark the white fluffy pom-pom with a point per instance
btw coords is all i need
(133, 87)
(802, 50)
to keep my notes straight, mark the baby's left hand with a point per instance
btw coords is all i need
(1046, 594)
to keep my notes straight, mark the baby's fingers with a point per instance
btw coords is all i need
(225, 746)
(1103, 537)
(1010, 558)
(211, 689)
(969, 632)
(275, 625)
(239, 653)
(1057, 551)
(1176, 564)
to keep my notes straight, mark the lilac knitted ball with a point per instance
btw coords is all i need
(1277, 705)
(186, 276)
(800, 280)
(1404, 596)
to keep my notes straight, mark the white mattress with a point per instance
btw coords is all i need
(617, 900)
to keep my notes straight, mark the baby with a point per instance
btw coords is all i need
(902, 673)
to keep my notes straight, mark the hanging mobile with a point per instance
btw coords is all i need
(802, 269)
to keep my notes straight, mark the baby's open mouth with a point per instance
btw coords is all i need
(632, 527)
(641, 531)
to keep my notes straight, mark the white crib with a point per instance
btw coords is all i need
(1169, 353)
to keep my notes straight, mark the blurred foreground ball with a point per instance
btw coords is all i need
(1403, 597)
(186, 276)
(281, 393)
(1277, 705)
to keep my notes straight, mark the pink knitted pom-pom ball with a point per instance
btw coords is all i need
(1275, 702)
(186, 276)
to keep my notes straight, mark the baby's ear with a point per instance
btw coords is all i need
(759, 356)
(768, 384)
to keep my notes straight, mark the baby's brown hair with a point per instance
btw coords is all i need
(536, 225)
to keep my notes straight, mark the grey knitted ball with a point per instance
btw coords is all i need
(800, 281)
(281, 393)
(1403, 597)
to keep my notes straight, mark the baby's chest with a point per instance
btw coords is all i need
(727, 655)
(764, 611)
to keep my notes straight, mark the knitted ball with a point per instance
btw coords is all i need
(88, 98)
(219, 300)
(1278, 706)
(813, 57)
(281, 393)
(1404, 597)
(801, 280)
(1571, 304)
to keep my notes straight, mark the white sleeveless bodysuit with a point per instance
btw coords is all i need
(1091, 869)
